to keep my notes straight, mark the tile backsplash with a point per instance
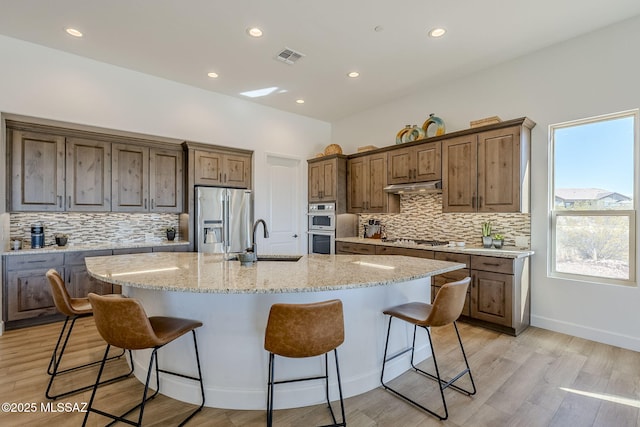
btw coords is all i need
(421, 217)
(87, 227)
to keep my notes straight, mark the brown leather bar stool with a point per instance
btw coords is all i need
(73, 309)
(305, 330)
(123, 323)
(446, 308)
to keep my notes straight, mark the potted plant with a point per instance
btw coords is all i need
(171, 233)
(486, 235)
(498, 241)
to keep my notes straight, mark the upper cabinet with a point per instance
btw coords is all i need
(37, 171)
(366, 179)
(216, 168)
(88, 175)
(59, 169)
(487, 171)
(417, 163)
(327, 180)
(146, 179)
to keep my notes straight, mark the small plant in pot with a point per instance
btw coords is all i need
(486, 235)
(498, 241)
(61, 239)
(171, 233)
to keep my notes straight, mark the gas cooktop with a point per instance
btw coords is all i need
(417, 242)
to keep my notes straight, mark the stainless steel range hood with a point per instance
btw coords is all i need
(415, 188)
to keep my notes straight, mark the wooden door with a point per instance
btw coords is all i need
(329, 183)
(357, 182)
(130, 178)
(459, 179)
(400, 166)
(88, 175)
(29, 294)
(377, 179)
(37, 172)
(491, 297)
(208, 168)
(166, 180)
(428, 163)
(236, 171)
(499, 170)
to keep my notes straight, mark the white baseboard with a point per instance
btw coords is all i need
(593, 334)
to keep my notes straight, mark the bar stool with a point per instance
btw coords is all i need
(73, 309)
(447, 307)
(122, 322)
(305, 330)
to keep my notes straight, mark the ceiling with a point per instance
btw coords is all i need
(184, 40)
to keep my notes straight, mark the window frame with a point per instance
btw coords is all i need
(630, 214)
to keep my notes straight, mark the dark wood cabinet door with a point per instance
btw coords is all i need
(428, 162)
(400, 166)
(29, 294)
(236, 171)
(491, 297)
(166, 180)
(130, 178)
(323, 180)
(37, 171)
(376, 181)
(80, 283)
(499, 170)
(460, 176)
(208, 168)
(88, 175)
(357, 184)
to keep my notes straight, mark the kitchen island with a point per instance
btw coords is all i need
(233, 302)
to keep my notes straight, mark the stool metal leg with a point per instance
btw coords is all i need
(442, 384)
(54, 364)
(153, 360)
(271, 382)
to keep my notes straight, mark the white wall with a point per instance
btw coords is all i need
(45, 83)
(588, 76)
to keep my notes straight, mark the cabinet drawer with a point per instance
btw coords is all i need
(453, 257)
(181, 248)
(486, 263)
(389, 250)
(20, 262)
(74, 258)
(355, 248)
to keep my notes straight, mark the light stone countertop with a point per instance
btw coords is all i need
(505, 252)
(210, 273)
(122, 244)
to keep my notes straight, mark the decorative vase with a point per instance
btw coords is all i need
(498, 244)
(171, 235)
(400, 136)
(436, 124)
(487, 241)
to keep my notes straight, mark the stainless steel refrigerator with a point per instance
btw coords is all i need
(223, 220)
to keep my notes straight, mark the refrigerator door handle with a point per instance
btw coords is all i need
(225, 216)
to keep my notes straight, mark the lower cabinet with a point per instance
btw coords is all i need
(27, 293)
(27, 296)
(79, 282)
(498, 297)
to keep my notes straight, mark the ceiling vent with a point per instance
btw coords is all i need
(289, 56)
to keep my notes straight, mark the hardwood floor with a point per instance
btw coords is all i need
(540, 378)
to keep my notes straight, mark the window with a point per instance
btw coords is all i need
(592, 233)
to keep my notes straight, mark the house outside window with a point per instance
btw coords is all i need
(592, 199)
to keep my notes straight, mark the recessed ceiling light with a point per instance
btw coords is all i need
(73, 32)
(437, 32)
(254, 32)
(213, 75)
(354, 74)
(300, 101)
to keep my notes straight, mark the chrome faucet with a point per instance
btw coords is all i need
(254, 248)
